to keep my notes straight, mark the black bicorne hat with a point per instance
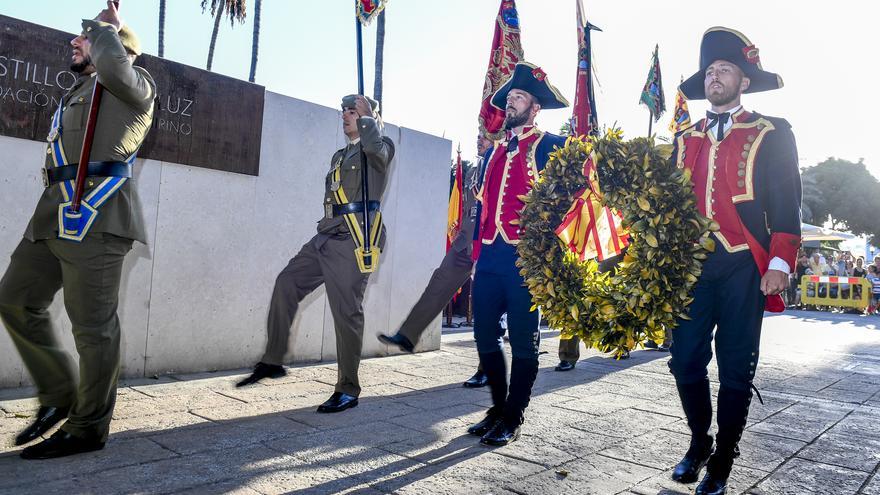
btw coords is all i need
(533, 80)
(721, 43)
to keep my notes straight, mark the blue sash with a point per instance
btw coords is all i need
(75, 226)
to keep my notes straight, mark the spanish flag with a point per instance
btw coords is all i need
(454, 214)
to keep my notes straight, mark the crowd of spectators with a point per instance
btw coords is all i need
(835, 264)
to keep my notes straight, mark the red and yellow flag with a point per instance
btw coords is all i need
(681, 117)
(589, 229)
(454, 213)
(506, 52)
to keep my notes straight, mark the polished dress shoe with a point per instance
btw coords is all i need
(338, 402)
(47, 417)
(564, 366)
(478, 380)
(711, 485)
(398, 340)
(61, 444)
(487, 423)
(501, 434)
(263, 370)
(688, 469)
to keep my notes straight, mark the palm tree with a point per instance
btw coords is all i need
(161, 28)
(236, 10)
(255, 46)
(380, 50)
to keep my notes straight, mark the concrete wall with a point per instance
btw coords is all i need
(195, 297)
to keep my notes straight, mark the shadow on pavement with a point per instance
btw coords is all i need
(389, 440)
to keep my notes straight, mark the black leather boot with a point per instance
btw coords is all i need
(502, 433)
(262, 370)
(61, 444)
(697, 404)
(47, 417)
(398, 340)
(477, 381)
(522, 377)
(493, 415)
(733, 410)
(495, 369)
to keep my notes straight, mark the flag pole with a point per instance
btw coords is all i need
(650, 121)
(365, 189)
(594, 125)
(86, 150)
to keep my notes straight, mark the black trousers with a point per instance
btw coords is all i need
(497, 292)
(728, 300)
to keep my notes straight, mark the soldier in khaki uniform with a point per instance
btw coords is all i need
(90, 268)
(453, 272)
(569, 353)
(329, 258)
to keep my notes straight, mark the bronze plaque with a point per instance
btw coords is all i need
(201, 118)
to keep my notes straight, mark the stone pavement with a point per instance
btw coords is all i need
(607, 427)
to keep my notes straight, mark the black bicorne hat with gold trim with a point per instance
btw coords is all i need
(533, 80)
(721, 43)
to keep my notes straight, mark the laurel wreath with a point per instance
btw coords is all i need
(617, 310)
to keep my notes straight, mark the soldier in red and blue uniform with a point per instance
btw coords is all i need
(512, 165)
(744, 170)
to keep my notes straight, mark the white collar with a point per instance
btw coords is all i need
(728, 123)
(732, 111)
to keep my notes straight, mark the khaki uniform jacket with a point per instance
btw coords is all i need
(379, 151)
(124, 118)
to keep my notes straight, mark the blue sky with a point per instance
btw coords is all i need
(435, 60)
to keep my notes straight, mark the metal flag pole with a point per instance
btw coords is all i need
(594, 125)
(82, 167)
(367, 255)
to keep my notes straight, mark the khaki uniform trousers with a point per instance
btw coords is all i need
(329, 260)
(569, 349)
(453, 272)
(90, 273)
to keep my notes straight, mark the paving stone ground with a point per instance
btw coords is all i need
(607, 427)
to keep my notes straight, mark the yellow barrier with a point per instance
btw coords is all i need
(841, 292)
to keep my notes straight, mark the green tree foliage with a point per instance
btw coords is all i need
(235, 10)
(844, 193)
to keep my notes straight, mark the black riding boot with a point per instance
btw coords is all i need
(522, 377)
(496, 373)
(697, 404)
(733, 410)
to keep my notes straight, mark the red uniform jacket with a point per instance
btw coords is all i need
(750, 184)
